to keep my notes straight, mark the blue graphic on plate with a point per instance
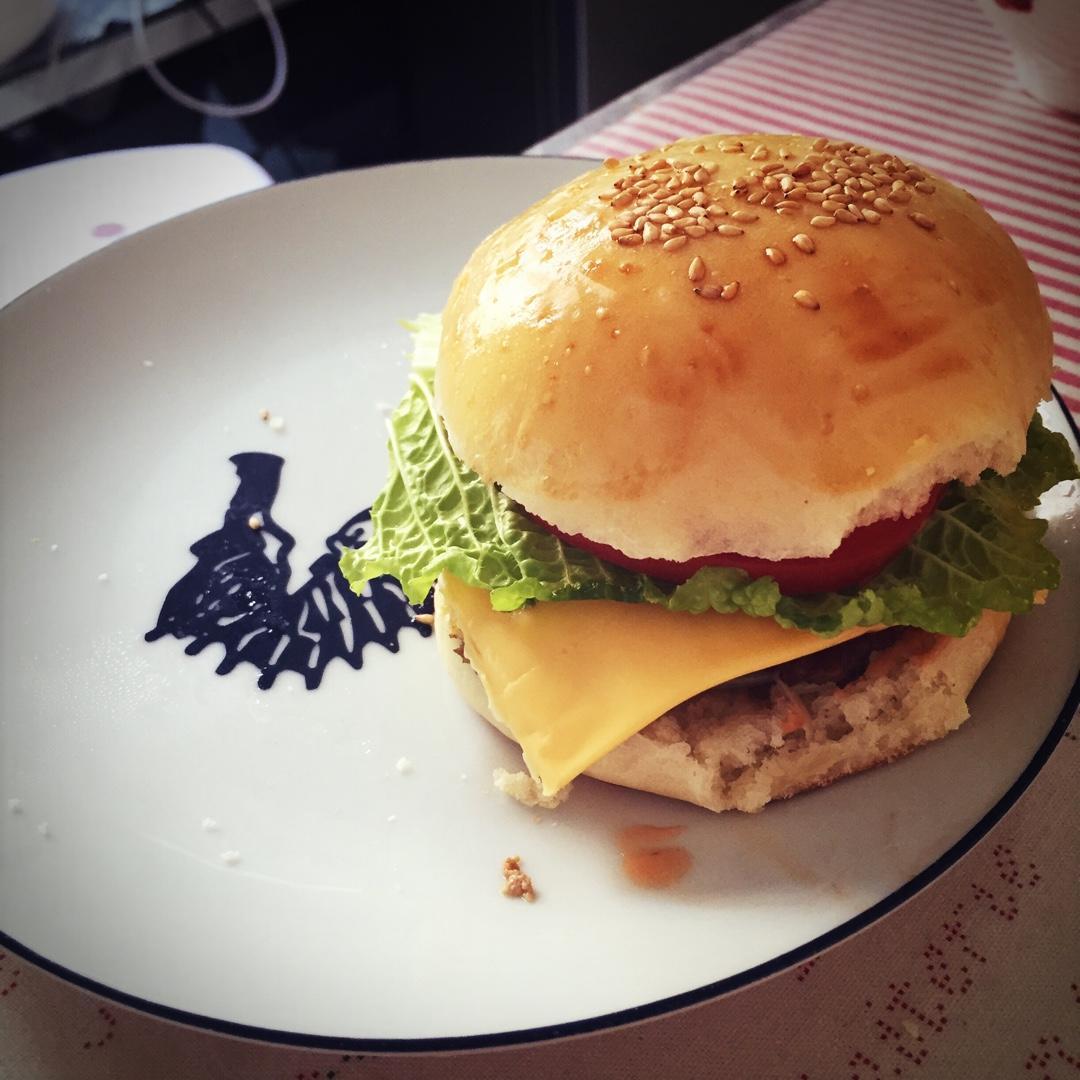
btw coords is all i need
(237, 592)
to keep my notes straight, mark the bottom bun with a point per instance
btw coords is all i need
(737, 747)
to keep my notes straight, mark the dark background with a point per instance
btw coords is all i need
(372, 83)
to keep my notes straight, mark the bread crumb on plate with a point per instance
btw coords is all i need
(517, 884)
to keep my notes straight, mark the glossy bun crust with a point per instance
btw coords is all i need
(759, 403)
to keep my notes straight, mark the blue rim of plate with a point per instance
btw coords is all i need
(621, 1017)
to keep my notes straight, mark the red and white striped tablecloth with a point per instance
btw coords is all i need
(930, 79)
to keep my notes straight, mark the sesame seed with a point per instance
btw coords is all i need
(624, 198)
(697, 268)
(729, 291)
(715, 210)
(846, 216)
(787, 204)
(682, 222)
(819, 143)
(832, 204)
(815, 197)
(675, 243)
(806, 299)
(775, 256)
(708, 292)
(696, 231)
(657, 217)
(630, 240)
(611, 163)
(804, 168)
(804, 243)
(744, 217)
(731, 148)
(772, 198)
(899, 195)
(728, 230)
(255, 522)
(770, 183)
(820, 222)
(650, 232)
(773, 166)
(872, 216)
(700, 148)
(860, 392)
(786, 211)
(882, 206)
(755, 197)
(925, 187)
(922, 220)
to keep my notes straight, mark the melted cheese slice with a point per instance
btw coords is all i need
(574, 679)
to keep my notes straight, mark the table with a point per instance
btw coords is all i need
(978, 976)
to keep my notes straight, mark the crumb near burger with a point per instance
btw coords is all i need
(723, 459)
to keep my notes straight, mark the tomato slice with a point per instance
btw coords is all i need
(861, 554)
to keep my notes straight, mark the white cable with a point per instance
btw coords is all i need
(214, 108)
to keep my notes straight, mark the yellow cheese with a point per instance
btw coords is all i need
(574, 679)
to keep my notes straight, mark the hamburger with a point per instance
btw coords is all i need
(721, 461)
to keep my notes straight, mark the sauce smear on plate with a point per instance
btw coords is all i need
(648, 857)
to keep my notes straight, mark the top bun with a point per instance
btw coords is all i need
(760, 375)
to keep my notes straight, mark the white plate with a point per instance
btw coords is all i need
(365, 907)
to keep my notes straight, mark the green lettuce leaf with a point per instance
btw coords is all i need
(979, 549)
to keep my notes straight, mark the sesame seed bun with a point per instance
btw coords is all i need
(727, 750)
(746, 377)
